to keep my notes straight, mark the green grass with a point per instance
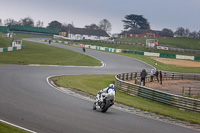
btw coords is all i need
(93, 83)
(4, 128)
(162, 66)
(179, 42)
(36, 53)
(4, 41)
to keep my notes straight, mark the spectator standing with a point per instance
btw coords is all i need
(156, 74)
(143, 76)
(152, 71)
(161, 76)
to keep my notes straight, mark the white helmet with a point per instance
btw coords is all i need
(111, 85)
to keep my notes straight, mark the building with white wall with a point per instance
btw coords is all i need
(85, 34)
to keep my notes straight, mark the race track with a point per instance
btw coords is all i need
(27, 100)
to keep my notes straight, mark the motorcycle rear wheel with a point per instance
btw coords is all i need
(106, 106)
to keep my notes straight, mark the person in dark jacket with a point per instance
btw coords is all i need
(143, 76)
(161, 76)
(156, 74)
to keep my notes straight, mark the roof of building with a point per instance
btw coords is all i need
(84, 31)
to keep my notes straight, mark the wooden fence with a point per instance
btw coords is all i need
(155, 95)
(190, 91)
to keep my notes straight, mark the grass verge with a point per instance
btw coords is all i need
(93, 83)
(36, 53)
(4, 41)
(5, 128)
(179, 42)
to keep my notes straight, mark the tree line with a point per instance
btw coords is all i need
(130, 21)
(133, 21)
(28, 21)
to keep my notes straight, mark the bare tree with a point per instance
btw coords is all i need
(92, 26)
(10, 21)
(168, 32)
(1, 22)
(193, 34)
(105, 25)
(187, 32)
(39, 24)
(180, 32)
(70, 25)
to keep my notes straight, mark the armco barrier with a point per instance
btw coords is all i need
(197, 58)
(12, 48)
(184, 57)
(155, 95)
(168, 56)
(151, 54)
(134, 51)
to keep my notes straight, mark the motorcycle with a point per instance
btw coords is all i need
(108, 101)
(83, 49)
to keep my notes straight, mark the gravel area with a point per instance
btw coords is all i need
(175, 86)
(176, 62)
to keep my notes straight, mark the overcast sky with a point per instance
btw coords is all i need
(160, 13)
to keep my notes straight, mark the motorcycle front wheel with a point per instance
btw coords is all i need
(94, 106)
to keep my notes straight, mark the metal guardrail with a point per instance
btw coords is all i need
(155, 95)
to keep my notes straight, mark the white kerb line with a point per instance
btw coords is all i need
(17, 126)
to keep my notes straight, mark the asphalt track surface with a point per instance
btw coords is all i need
(27, 100)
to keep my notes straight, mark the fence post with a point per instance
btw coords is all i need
(189, 91)
(119, 76)
(136, 78)
(131, 76)
(123, 76)
(183, 92)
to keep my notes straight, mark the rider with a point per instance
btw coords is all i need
(110, 91)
